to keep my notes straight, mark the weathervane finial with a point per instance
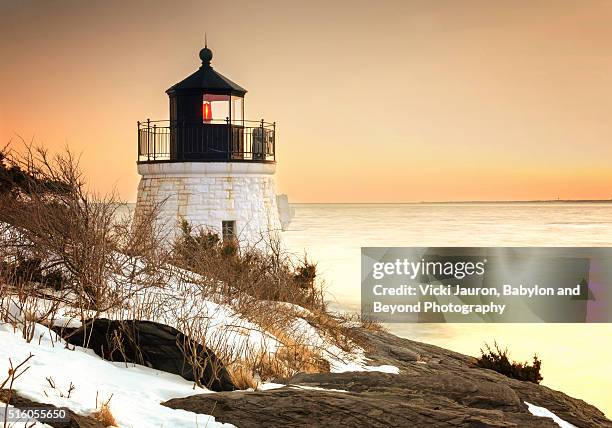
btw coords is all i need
(206, 54)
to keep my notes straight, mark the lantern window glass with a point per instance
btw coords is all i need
(237, 110)
(215, 108)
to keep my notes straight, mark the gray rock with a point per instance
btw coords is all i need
(435, 388)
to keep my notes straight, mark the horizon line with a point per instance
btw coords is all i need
(485, 201)
(527, 201)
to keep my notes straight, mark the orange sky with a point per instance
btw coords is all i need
(391, 101)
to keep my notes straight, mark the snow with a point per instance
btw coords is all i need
(181, 301)
(543, 412)
(269, 386)
(316, 388)
(137, 391)
(225, 331)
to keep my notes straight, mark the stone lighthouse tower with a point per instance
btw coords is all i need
(208, 164)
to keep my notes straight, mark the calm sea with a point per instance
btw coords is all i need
(575, 357)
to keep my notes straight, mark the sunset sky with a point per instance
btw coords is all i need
(392, 101)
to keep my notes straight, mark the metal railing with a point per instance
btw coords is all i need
(212, 141)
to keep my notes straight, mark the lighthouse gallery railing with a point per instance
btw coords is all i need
(213, 141)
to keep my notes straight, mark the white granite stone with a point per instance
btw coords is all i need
(205, 194)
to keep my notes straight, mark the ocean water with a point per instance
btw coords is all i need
(576, 357)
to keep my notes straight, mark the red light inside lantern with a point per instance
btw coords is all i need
(207, 111)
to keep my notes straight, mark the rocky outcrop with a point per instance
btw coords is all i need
(154, 345)
(435, 388)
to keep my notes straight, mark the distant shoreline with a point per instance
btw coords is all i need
(543, 201)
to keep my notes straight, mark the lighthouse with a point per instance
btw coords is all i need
(207, 164)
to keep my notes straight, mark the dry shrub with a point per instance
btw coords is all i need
(498, 359)
(279, 351)
(193, 345)
(244, 273)
(373, 326)
(20, 303)
(301, 358)
(71, 244)
(337, 328)
(71, 247)
(357, 320)
(294, 355)
(334, 327)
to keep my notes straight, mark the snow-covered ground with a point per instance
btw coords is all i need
(226, 332)
(137, 392)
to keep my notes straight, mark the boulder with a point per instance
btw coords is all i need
(154, 345)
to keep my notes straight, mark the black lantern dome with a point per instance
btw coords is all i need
(206, 123)
(206, 80)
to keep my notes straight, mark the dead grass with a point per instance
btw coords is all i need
(266, 366)
(301, 358)
(242, 375)
(105, 416)
(103, 413)
(296, 353)
(373, 326)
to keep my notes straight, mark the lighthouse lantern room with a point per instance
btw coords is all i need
(207, 164)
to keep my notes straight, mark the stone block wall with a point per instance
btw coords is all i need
(207, 194)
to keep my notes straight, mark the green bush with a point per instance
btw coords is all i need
(498, 359)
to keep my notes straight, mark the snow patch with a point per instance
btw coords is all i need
(316, 388)
(137, 391)
(270, 386)
(543, 412)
